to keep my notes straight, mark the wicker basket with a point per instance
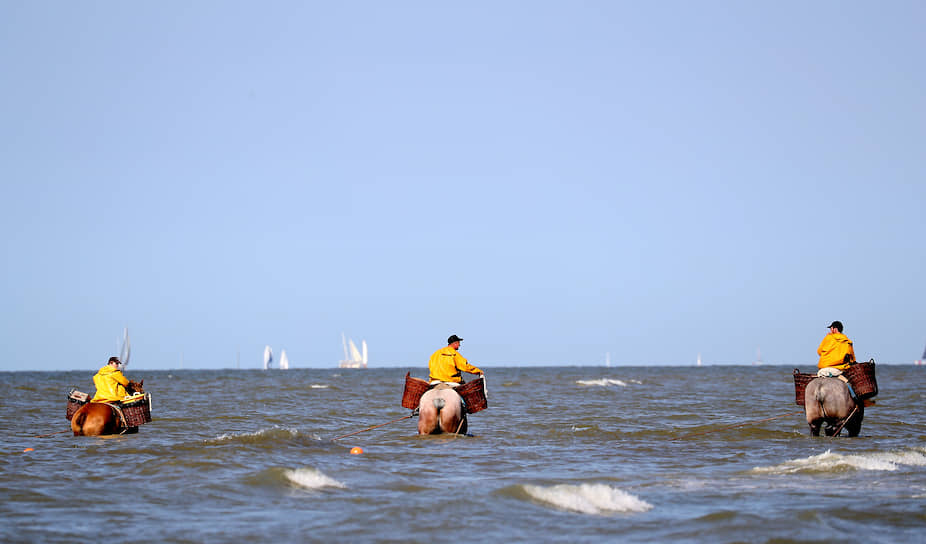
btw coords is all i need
(473, 394)
(800, 384)
(76, 399)
(137, 412)
(861, 377)
(414, 388)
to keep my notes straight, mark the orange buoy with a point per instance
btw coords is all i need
(27, 449)
(356, 450)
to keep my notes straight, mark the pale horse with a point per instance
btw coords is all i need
(441, 411)
(827, 401)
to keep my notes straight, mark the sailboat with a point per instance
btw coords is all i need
(125, 351)
(607, 359)
(284, 360)
(268, 357)
(922, 360)
(758, 360)
(353, 358)
(699, 360)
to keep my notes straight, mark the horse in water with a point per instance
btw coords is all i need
(99, 418)
(441, 411)
(828, 401)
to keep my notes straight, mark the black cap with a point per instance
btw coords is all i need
(837, 324)
(453, 338)
(115, 360)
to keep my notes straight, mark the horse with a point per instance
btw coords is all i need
(99, 418)
(828, 401)
(441, 411)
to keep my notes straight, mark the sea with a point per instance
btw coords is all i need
(561, 454)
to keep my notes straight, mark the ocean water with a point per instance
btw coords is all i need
(562, 454)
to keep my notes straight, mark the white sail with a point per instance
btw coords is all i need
(353, 357)
(126, 350)
(699, 360)
(284, 360)
(607, 359)
(268, 357)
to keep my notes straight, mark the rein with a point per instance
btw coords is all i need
(843, 424)
(373, 427)
(738, 425)
(51, 434)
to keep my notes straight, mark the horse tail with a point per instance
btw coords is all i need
(77, 422)
(438, 403)
(820, 398)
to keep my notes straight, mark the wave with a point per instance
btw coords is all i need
(586, 498)
(319, 386)
(605, 382)
(257, 437)
(836, 462)
(311, 478)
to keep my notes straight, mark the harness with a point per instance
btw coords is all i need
(118, 410)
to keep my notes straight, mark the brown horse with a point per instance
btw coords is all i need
(441, 411)
(827, 401)
(99, 418)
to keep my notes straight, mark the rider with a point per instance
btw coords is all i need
(835, 351)
(110, 382)
(446, 364)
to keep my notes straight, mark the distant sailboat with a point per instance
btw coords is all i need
(922, 360)
(607, 359)
(125, 351)
(268, 357)
(284, 360)
(353, 358)
(699, 360)
(758, 360)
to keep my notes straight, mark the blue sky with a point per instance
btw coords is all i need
(552, 181)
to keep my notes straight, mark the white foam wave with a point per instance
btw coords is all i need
(318, 386)
(311, 478)
(835, 462)
(604, 382)
(588, 498)
(256, 434)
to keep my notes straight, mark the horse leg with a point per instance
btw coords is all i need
(814, 428)
(453, 420)
(854, 424)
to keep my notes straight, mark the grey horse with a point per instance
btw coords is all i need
(828, 401)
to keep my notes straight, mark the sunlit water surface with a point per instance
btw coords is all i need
(562, 454)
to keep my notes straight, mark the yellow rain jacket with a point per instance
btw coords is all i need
(110, 385)
(446, 363)
(833, 350)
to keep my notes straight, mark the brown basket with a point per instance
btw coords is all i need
(474, 396)
(861, 377)
(800, 384)
(137, 412)
(414, 388)
(76, 399)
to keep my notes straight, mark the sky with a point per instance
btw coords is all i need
(555, 182)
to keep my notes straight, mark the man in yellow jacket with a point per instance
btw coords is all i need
(110, 382)
(446, 364)
(835, 350)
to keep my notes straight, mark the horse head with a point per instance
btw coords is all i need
(136, 387)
